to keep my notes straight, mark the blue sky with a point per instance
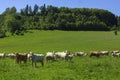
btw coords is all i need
(111, 5)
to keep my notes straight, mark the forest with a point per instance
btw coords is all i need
(56, 18)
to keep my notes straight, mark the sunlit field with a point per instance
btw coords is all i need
(80, 68)
(43, 41)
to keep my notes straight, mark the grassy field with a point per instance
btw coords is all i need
(43, 41)
(80, 68)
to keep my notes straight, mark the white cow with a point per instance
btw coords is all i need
(2, 55)
(50, 56)
(80, 54)
(37, 58)
(104, 52)
(29, 56)
(12, 55)
(63, 55)
(70, 57)
(116, 54)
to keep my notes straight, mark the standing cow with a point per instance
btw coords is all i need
(62, 55)
(37, 58)
(2, 55)
(95, 53)
(50, 56)
(116, 53)
(12, 55)
(80, 54)
(21, 57)
(104, 52)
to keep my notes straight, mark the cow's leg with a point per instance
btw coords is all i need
(42, 63)
(25, 61)
(32, 63)
(17, 61)
(98, 55)
(35, 64)
(90, 55)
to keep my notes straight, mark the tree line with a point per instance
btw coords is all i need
(55, 18)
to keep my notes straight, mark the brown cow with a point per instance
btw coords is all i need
(95, 53)
(116, 53)
(21, 57)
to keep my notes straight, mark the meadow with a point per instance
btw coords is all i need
(80, 68)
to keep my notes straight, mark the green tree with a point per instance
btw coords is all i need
(43, 11)
(30, 11)
(36, 8)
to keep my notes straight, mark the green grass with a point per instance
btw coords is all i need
(43, 41)
(81, 68)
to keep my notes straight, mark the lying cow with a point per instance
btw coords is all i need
(37, 58)
(21, 57)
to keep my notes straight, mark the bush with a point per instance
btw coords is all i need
(2, 35)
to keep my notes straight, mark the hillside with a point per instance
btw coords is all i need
(43, 41)
(80, 68)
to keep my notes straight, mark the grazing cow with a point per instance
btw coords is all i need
(116, 53)
(80, 54)
(62, 55)
(104, 52)
(21, 57)
(50, 56)
(70, 57)
(37, 58)
(95, 53)
(2, 55)
(12, 55)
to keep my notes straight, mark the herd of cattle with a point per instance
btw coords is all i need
(54, 56)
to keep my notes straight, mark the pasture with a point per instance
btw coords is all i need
(80, 68)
